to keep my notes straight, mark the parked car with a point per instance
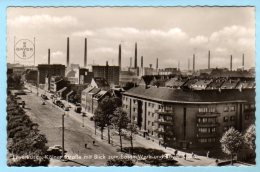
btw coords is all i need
(17, 98)
(43, 103)
(55, 150)
(61, 105)
(66, 108)
(20, 92)
(78, 109)
(44, 97)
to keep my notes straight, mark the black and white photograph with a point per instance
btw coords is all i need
(131, 86)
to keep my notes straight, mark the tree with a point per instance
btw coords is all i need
(106, 108)
(231, 142)
(250, 137)
(100, 120)
(133, 130)
(120, 120)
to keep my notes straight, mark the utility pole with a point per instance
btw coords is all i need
(63, 136)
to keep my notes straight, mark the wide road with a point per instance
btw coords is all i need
(49, 118)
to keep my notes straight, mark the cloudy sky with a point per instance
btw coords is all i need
(171, 34)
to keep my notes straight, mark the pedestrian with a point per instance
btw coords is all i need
(185, 156)
(192, 155)
(175, 152)
(159, 143)
(208, 154)
(86, 145)
(93, 142)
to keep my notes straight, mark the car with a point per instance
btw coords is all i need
(61, 105)
(91, 118)
(66, 108)
(43, 103)
(20, 92)
(44, 97)
(17, 98)
(78, 109)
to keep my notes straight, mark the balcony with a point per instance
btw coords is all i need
(208, 124)
(208, 114)
(205, 135)
(164, 111)
(164, 122)
(164, 132)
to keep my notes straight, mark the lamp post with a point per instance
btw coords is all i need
(83, 115)
(63, 136)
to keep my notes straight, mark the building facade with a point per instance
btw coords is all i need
(188, 119)
(46, 70)
(110, 73)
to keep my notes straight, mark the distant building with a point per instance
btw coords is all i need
(188, 118)
(98, 82)
(57, 83)
(110, 73)
(46, 70)
(79, 76)
(31, 76)
(128, 77)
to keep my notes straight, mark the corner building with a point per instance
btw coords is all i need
(188, 118)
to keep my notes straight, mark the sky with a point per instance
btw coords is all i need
(171, 34)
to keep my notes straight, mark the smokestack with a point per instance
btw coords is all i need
(142, 62)
(135, 55)
(130, 62)
(119, 57)
(157, 63)
(209, 60)
(85, 53)
(179, 65)
(230, 62)
(68, 51)
(49, 56)
(243, 62)
(106, 76)
(193, 63)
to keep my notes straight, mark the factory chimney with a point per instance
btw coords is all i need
(209, 60)
(106, 72)
(179, 65)
(230, 62)
(142, 62)
(85, 53)
(243, 62)
(193, 63)
(157, 63)
(68, 51)
(130, 62)
(119, 57)
(49, 56)
(135, 56)
(188, 64)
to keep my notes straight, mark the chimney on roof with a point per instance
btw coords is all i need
(193, 63)
(151, 65)
(157, 63)
(85, 53)
(231, 62)
(209, 60)
(68, 51)
(135, 56)
(243, 62)
(142, 62)
(119, 57)
(49, 56)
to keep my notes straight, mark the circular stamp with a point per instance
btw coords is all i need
(24, 49)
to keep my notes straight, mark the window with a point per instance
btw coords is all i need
(212, 109)
(252, 106)
(152, 114)
(152, 105)
(159, 106)
(246, 117)
(152, 124)
(226, 109)
(246, 107)
(149, 104)
(203, 109)
(232, 118)
(149, 122)
(232, 108)
(225, 119)
(126, 106)
(149, 113)
(134, 109)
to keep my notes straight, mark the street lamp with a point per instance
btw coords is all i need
(63, 136)
(83, 115)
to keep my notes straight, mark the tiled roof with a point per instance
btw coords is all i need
(196, 96)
